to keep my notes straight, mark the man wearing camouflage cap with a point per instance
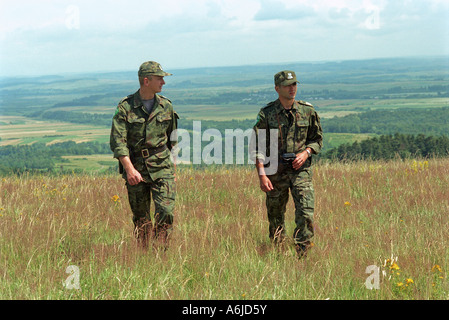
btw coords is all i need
(141, 138)
(299, 137)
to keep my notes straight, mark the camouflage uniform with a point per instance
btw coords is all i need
(146, 139)
(298, 128)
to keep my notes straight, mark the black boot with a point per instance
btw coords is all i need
(302, 249)
(143, 231)
(162, 235)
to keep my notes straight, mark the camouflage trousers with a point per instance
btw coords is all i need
(301, 187)
(162, 192)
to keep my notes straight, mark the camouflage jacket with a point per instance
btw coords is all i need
(144, 137)
(298, 128)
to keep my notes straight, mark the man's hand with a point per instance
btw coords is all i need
(133, 176)
(300, 159)
(265, 183)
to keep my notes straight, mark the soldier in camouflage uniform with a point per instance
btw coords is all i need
(300, 135)
(141, 138)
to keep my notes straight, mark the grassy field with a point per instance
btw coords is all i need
(325, 108)
(366, 213)
(339, 108)
(88, 163)
(22, 130)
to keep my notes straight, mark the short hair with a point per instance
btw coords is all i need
(141, 79)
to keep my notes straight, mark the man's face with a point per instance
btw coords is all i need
(287, 92)
(155, 83)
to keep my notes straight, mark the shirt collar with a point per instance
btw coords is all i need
(280, 108)
(138, 100)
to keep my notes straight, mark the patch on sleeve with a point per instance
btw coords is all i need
(116, 112)
(257, 119)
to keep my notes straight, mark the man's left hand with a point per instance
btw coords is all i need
(300, 160)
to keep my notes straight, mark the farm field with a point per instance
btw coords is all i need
(326, 108)
(390, 215)
(79, 107)
(23, 130)
(87, 163)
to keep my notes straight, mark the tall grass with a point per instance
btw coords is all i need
(366, 213)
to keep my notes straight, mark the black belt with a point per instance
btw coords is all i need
(146, 153)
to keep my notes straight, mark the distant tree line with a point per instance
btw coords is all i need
(99, 119)
(221, 126)
(260, 97)
(388, 147)
(39, 156)
(434, 121)
(391, 93)
(403, 132)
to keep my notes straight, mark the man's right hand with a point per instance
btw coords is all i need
(265, 183)
(133, 176)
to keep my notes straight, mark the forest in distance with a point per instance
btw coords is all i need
(41, 158)
(399, 106)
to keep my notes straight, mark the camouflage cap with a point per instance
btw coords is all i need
(152, 68)
(285, 78)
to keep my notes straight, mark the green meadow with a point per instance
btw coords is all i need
(386, 215)
(381, 227)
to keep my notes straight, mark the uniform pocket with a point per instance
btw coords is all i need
(136, 130)
(302, 124)
(136, 120)
(163, 121)
(302, 127)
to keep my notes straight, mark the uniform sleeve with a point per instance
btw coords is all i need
(315, 134)
(172, 131)
(118, 135)
(259, 139)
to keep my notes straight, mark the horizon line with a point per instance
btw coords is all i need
(72, 73)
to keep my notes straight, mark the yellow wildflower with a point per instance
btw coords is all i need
(394, 266)
(436, 268)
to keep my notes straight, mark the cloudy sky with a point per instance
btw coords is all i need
(58, 36)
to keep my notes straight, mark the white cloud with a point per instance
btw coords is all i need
(46, 37)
